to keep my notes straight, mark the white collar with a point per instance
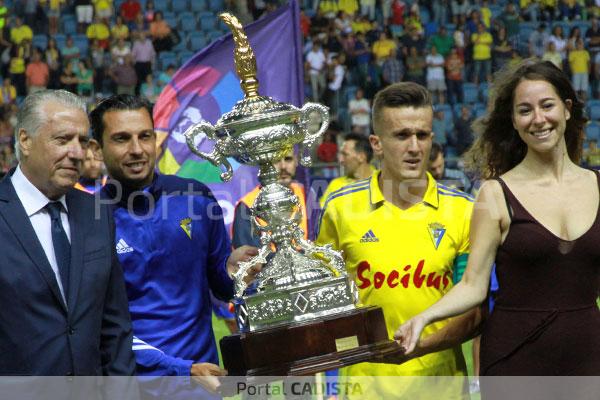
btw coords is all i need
(32, 199)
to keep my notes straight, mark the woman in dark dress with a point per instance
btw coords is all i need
(537, 218)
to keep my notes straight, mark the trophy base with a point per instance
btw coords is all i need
(309, 347)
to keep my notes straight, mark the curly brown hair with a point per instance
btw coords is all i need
(498, 146)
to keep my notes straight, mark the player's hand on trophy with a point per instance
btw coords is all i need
(243, 254)
(408, 334)
(206, 374)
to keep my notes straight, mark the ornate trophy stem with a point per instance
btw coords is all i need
(298, 281)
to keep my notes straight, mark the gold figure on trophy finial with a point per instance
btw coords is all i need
(245, 62)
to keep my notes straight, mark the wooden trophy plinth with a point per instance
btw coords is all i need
(305, 348)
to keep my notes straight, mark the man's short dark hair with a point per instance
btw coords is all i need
(116, 102)
(401, 94)
(436, 150)
(361, 144)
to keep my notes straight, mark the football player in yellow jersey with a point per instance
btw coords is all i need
(355, 156)
(403, 237)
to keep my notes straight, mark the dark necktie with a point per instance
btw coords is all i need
(62, 247)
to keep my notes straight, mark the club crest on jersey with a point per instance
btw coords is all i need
(186, 225)
(436, 233)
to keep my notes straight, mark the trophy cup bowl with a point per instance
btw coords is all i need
(302, 304)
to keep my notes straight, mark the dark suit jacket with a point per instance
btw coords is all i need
(38, 334)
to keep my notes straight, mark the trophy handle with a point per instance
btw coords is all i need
(217, 156)
(310, 139)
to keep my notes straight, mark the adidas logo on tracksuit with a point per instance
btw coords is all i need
(369, 237)
(123, 247)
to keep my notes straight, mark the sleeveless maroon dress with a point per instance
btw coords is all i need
(546, 320)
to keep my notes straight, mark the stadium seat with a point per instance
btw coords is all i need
(197, 41)
(208, 21)
(69, 24)
(484, 91)
(171, 19)
(425, 16)
(81, 41)
(179, 6)
(161, 5)
(592, 131)
(431, 28)
(199, 6)
(216, 6)
(184, 56)
(167, 58)
(479, 110)
(40, 41)
(214, 35)
(61, 40)
(187, 22)
(594, 111)
(470, 93)
(183, 43)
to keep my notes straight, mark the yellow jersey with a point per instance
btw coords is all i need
(337, 184)
(402, 261)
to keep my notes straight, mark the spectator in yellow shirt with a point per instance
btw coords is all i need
(98, 31)
(8, 93)
(119, 30)
(482, 53)
(103, 8)
(383, 47)
(579, 60)
(53, 14)
(20, 32)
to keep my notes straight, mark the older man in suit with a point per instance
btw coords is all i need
(64, 307)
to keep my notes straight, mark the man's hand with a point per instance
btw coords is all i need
(242, 254)
(206, 375)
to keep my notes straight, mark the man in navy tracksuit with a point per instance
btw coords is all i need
(171, 241)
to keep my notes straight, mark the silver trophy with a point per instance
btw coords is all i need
(299, 281)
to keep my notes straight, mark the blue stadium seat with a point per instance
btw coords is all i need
(171, 19)
(61, 40)
(470, 93)
(161, 5)
(214, 35)
(199, 6)
(184, 56)
(183, 43)
(594, 111)
(81, 41)
(208, 21)
(180, 5)
(188, 22)
(197, 41)
(484, 91)
(592, 131)
(479, 110)
(425, 17)
(216, 6)
(430, 28)
(167, 58)
(69, 24)
(40, 41)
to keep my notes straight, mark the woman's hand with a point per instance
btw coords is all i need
(408, 334)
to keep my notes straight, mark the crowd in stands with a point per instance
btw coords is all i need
(352, 48)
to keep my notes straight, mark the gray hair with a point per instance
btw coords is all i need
(30, 117)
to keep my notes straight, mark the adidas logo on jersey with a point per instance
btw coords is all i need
(369, 237)
(123, 247)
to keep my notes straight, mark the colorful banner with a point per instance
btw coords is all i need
(207, 86)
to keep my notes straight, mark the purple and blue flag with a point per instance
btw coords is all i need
(207, 86)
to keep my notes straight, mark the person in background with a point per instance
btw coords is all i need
(451, 178)
(360, 110)
(579, 61)
(37, 73)
(355, 158)
(93, 176)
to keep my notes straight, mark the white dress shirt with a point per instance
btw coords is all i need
(34, 202)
